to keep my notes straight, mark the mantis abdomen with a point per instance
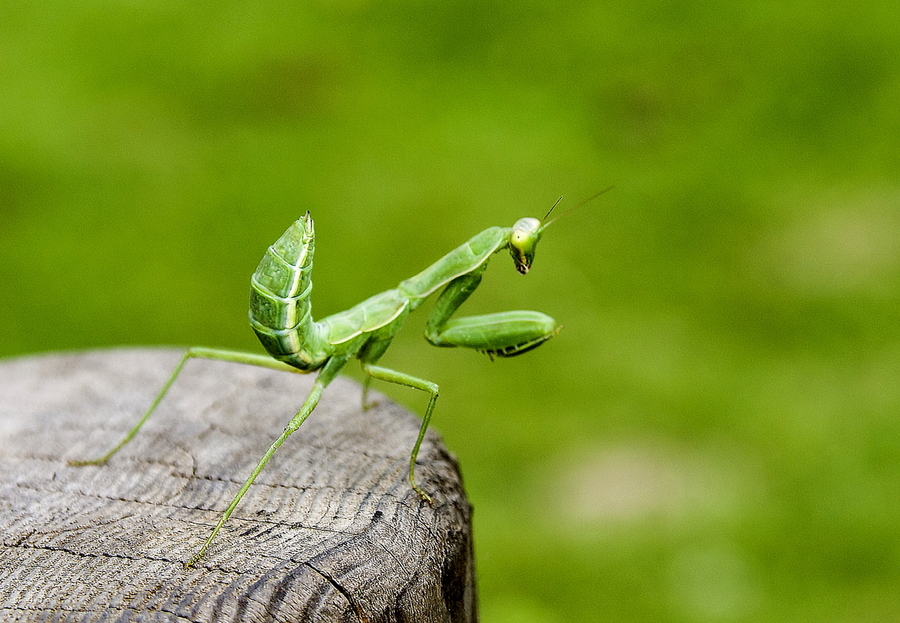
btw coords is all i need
(280, 305)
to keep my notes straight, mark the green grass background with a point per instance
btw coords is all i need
(713, 437)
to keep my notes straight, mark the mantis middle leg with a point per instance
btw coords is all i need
(392, 376)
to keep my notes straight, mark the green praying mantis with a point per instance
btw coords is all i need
(281, 316)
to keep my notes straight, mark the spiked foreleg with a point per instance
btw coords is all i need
(454, 295)
(503, 334)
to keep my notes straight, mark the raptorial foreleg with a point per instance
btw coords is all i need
(502, 334)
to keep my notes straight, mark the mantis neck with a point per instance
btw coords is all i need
(462, 260)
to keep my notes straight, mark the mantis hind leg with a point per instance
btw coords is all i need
(326, 375)
(308, 405)
(399, 378)
(328, 372)
(195, 352)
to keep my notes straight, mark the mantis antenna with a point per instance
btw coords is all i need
(545, 223)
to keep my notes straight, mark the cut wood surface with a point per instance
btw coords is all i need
(330, 531)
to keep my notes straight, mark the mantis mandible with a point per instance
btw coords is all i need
(281, 316)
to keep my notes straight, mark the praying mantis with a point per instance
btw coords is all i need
(281, 316)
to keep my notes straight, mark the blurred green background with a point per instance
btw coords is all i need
(715, 434)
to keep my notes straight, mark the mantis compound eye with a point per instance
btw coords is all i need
(522, 240)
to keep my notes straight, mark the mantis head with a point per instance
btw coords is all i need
(522, 240)
(527, 231)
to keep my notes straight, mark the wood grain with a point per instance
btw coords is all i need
(330, 531)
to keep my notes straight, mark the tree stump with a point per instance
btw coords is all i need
(330, 531)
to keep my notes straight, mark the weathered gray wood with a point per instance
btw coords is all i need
(330, 531)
